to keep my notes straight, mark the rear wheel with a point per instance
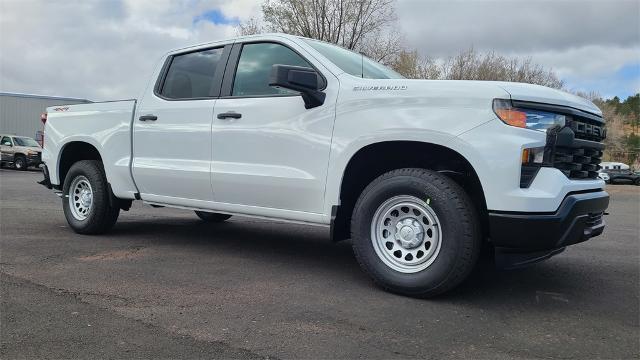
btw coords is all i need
(87, 202)
(415, 232)
(212, 217)
(20, 163)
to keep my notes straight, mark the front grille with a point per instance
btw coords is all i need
(578, 149)
(594, 219)
(588, 130)
(578, 163)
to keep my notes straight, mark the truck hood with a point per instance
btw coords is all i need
(542, 94)
(32, 148)
(472, 89)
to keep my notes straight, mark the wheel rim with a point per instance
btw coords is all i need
(80, 198)
(406, 234)
(19, 164)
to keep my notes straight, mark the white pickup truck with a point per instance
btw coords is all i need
(419, 174)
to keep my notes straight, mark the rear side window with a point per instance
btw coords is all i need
(191, 75)
(254, 68)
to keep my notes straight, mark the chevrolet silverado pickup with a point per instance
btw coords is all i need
(419, 174)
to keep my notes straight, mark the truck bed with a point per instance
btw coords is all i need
(103, 125)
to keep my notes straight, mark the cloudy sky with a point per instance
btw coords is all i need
(106, 49)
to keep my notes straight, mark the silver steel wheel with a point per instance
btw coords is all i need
(80, 198)
(406, 234)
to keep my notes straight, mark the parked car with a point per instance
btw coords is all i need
(19, 151)
(418, 173)
(620, 176)
(604, 176)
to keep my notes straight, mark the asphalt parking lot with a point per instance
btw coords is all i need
(164, 285)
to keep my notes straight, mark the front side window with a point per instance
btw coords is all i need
(254, 68)
(191, 75)
(352, 63)
(6, 141)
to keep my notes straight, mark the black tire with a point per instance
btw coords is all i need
(461, 240)
(637, 182)
(102, 215)
(212, 217)
(20, 163)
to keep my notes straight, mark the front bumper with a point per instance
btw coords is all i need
(34, 160)
(524, 238)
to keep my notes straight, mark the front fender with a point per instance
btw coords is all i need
(341, 154)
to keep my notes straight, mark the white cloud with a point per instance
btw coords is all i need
(106, 49)
(95, 49)
(584, 41)
(587, 60)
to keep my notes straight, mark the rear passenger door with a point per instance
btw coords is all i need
(172, 128)
(268, 150)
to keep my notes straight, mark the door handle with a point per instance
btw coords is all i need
(230, 114)
(148, 118)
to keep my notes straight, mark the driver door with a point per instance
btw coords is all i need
(268, 150)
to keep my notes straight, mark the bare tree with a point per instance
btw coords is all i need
(472, 65)
(365, 26)
(368, 26)
(250, 27)
(414, 66)
(383, 46)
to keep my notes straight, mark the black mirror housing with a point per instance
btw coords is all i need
(297, 78)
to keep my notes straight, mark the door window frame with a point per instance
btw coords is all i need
(232, 65)
(214, 93)
(10, 140)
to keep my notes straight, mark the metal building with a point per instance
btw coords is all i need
(20, 113)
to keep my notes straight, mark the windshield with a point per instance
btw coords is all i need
(352, 63)
(25, 141)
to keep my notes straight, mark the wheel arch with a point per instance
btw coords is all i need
(72, 152)
(376, 158)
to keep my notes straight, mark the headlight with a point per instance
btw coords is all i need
(526, 118)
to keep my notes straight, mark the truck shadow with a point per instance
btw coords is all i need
(305, 249)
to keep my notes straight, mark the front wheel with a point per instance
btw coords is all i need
(415, 232)
(87, 201)
(20, 163)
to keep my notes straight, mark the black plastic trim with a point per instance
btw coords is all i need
(230, 71)
(46, 182)
(530, 232)
(526, 179)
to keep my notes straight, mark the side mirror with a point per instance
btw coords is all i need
(297, 78)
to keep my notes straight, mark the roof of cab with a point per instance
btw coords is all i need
(239, 38)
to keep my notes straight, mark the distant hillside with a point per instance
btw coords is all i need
(623, 135)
